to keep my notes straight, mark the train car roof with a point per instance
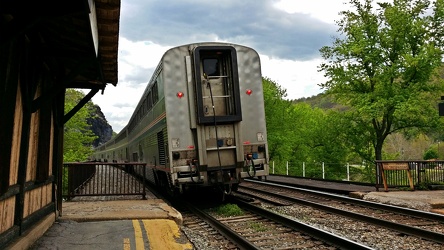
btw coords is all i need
(208, 44)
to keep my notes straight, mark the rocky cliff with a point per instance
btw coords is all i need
(99, 126)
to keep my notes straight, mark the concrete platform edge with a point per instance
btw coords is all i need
(431, 201)
(120, 210)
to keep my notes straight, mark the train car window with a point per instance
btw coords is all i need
(155, 92)
(211, 66)
(144, 109)
(121, 136)
(149, 102)
(217, 84)
(131, 126)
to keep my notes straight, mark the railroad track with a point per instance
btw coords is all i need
(257, 228)
(383, 221)
(202, 232)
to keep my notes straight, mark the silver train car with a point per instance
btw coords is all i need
(200, 121)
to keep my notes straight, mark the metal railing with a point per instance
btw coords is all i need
(422, 173)
(102, 179)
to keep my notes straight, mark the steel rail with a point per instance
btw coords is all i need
(324, 236)
(180, 203)
(425, 234)
(375, 205)
(234, 237)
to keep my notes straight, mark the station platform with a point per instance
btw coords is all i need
(112, 221)
(111, 224)
(431, 201)
(81, 211)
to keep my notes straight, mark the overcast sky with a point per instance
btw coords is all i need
(286, 33)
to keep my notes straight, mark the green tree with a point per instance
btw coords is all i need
(329, 135)
(78, 136)
(299, 133)
(381, 68)
(430, 154)
(279, 144)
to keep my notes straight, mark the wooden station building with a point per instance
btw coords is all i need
(45, 48)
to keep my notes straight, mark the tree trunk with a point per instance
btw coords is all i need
(378, 150)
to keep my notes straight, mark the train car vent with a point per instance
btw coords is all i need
(161, 148)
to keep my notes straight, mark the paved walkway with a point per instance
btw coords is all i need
(115, 224)
(153, 234)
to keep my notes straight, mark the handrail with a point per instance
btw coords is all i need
(103, 179)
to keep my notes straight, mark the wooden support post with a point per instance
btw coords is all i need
(396, 166)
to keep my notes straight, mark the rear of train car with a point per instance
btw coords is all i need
(200, 121)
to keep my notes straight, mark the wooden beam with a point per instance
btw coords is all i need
(44, 142)
(9, 68)
(28, 79)
(79, 105)
(48, 96)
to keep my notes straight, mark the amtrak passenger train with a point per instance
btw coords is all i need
(200, 121)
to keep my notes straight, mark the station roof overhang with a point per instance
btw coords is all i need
(80, 35)
(77, 37)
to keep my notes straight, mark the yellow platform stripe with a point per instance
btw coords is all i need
(163, 235)
(126, 244)
(138, 235)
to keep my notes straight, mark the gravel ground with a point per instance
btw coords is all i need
(372, 236)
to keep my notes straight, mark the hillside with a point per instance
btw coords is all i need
(321, 101)
(99, 126)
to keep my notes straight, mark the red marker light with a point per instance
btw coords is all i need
(179, 94)
(249, 92)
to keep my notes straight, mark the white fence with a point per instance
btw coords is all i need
(320, 170)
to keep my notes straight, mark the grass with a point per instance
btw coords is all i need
(228, 210)
(258, 227)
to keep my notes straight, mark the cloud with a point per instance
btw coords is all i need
(255, 23)
(299, 78)
(138, 60)
(323, 10)
(286, 33)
